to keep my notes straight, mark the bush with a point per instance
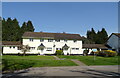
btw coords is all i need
(59, 52)
(107, 53)
(85, 52)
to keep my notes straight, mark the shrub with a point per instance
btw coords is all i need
(107, 53)
(59, 52)
(85, 52)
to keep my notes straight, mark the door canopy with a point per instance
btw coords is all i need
(41, 47)
(65, 47)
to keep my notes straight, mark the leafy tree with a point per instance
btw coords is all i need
(24, 49)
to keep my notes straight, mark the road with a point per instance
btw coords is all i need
(94, 71)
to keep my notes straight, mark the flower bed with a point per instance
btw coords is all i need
(107, 53)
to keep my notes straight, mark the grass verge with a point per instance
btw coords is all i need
(89, 60)
(12, 63)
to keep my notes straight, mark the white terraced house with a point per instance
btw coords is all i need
(46, 43)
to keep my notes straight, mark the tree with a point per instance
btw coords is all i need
(11, 30)
(24, 49)
(4, 30)
(8, 29)
(15, 30)
(30, 26)
(99, 38)
(104, 35)
(23, 28)
(91, 35)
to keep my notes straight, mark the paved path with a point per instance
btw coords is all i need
(57, 58)
(87, 71)
(78, 62)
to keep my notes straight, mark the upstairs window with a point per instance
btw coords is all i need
(10, 47)
(58, 40)
(65, 40)
(50, 40)
(31, 39)
(75, 41)
(18, 48)
(41, 40)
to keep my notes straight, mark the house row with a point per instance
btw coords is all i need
(48, 43)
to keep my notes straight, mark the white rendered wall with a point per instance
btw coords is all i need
(8, 50)
(36, 42)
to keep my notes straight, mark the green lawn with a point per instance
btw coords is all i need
(11, 63)
(89, 60)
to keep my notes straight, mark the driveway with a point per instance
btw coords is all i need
(87, 71)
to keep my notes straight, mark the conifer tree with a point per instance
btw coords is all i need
(16, 30)
(30, 26)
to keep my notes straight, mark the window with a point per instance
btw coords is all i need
(75, 48)
(50, 40)
(75, 41)
(57, 40)
(31, 39)
(10, 47)
(18, 48)
(49, 49)
(65, 40)
(58, 49)
(32, 48)
(13, 46)
(41, 40)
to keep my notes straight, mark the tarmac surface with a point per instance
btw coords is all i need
(66, 71)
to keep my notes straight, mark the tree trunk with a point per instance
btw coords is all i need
(24, 53)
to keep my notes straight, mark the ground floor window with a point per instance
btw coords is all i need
(49, 49)
(19, 48)
(32, 48)
(58, 48)
(75, 48)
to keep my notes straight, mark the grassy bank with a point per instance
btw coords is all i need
(89, 60)
(11, 63)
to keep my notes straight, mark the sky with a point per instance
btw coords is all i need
(69, 17)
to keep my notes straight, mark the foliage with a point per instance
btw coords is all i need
(89, 60)
(87, 41)
(59, 52)
(12, 31)
(85, 52)
(11, 63)
(99, 38)
(24, 49)
(107, 53)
